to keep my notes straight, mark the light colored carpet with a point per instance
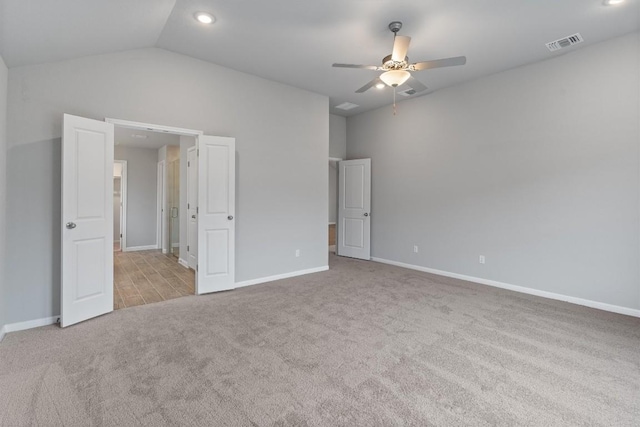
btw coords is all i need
(363, 344)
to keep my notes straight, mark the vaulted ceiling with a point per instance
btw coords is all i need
(296, 41)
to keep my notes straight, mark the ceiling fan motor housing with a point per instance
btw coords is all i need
(395, 26)
(390, 64)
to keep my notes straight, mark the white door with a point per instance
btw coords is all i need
(192, 208)
(354, 209)
(87, 219)
(216, 210)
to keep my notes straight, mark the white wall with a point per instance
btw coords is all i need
(142, 165)
(282, 138)
(3, 192)
(537, 168)
(338, 149)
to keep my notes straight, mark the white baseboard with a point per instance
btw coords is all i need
(175, 245)
(2, 332)
(183, 263)
(140, 248)
(280, 276)
(29, 324)
(545, 294)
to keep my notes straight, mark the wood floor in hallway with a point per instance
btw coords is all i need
(146, 277)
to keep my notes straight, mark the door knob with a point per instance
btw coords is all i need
(366, 214)
(193, 216)
(230, 217)
(71, 225)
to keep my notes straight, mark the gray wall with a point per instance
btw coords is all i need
(142, 167)
(282, 139)
(537, 168)
(3, 191)
(337, 148)
(185, 143)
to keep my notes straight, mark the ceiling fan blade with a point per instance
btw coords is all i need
(369, 85)
(416, 84)
(400, 48)
(438, 63)
(366, 67)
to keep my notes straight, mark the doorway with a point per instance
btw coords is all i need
(119, 204)
(147, 269)
(87, 262)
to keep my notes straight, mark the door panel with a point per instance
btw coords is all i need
(87, 219)
(192, 211)
(216, 222)
(354, 205)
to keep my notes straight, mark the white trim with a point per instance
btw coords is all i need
(123, 200)
(332, 249)
(183, 263)
(175, 245)
(332, 223)
(140, 248)
(3, 332)
(160, 201)
(335, 159)
(153, 127)
(545, 294)
(280, 276)
(29, 324)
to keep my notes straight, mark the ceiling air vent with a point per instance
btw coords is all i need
(347, 106)
(407, 92)
(565, 42)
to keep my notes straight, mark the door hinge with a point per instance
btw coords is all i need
(187, 248)
(121, 236)
(197, 210)
(188, 206)
(198, 152)
(197, 267)
(188, 164)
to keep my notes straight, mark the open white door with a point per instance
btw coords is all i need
(87, 219)
(192, 205)
(354, 209)
(216, 210)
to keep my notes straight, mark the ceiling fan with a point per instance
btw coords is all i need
(397, 68)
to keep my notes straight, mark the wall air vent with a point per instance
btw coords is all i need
(346, 106)
(407, 92)
(564, 42)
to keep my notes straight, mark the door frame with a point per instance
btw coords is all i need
(337, 161)
(123, 205)
(190, 190)
(161, 198)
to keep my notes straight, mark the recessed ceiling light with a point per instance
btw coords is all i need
(204, 17)
(612, 2)
(346, 106)
(139, 136)
(380, 86)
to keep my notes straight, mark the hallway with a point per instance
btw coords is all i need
(146, 277)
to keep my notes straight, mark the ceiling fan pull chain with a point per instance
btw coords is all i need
(394, 102)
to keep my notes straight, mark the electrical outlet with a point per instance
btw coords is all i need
(415, 249)
(481, 260)
(297, 253)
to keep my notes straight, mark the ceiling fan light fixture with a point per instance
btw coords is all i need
(395, 78)
(204, 17)
(380, 85)
(612, 2)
